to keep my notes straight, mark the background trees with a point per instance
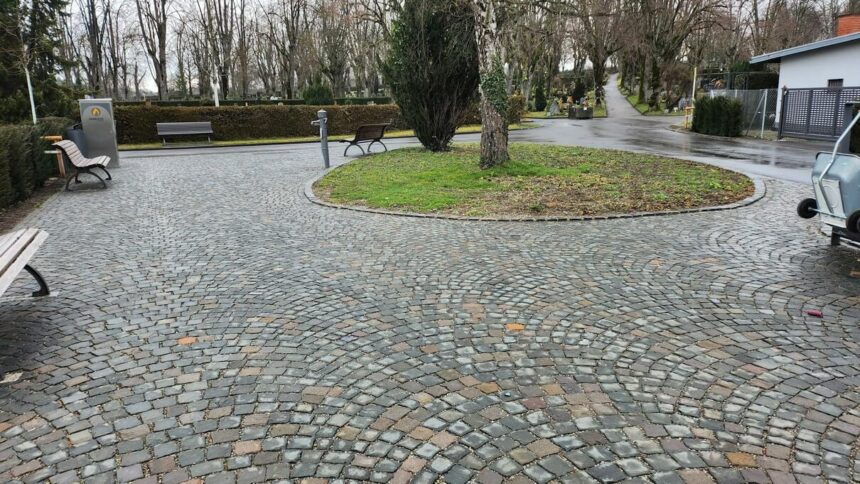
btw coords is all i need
(28, 33)
(152, 15)
(188, 49)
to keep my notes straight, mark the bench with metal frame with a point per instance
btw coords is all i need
(196, 128)
(80, 164)
(372, 133)
(16, 250)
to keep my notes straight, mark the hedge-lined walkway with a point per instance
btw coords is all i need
(222, 328)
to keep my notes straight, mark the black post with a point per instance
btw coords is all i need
(782, 113)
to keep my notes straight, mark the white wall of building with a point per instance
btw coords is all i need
(815, 68)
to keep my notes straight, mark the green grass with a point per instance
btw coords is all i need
(633, 99)
(538, 180)
(599, 111)
(400, 133)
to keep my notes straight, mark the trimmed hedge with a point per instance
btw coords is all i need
(136, 124)
(721, 116)
(209, 102)
(344, 101)
(24, 166)
(363, 101)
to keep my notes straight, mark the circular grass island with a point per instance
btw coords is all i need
(538, 181)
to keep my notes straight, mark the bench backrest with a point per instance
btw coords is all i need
(370, 132)
(73, 154)
(195, 127)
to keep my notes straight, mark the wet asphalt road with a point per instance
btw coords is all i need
(626, 129)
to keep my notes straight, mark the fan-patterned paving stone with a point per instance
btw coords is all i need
(221, 328)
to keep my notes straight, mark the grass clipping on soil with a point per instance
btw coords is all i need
(539, 180)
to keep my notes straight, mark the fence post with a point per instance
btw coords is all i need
(763, 112)
(782, 113)
(836, 112)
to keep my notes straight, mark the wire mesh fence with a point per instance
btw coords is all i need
(759, 109)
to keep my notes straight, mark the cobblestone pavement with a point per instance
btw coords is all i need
(209, 323)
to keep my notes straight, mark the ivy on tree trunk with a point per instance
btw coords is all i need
(494, 101)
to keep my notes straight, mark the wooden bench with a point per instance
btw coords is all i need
(16, 250)
(372, 133)
(81, 164)
(184, 129)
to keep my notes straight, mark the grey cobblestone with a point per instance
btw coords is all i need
(225, 329)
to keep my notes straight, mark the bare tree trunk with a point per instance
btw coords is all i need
(152, 15)
(599, 71)
(137, 79)
(654, 99)
(94, 25)
(494, 99)
(527, 87)
(243, 54)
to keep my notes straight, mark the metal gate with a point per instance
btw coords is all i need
(815, 113)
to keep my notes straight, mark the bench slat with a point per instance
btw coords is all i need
(77, 158)
(19, 254)
(13, 245)
(370, 132)
(180, 133)
(179, 129)
(9, 241)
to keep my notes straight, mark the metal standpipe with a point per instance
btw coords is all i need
(322, 123)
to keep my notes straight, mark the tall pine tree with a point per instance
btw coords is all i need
(432, 68)
(29, 32)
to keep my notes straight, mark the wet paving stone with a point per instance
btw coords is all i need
(224, 329)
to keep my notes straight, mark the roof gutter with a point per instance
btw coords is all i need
(800, 49)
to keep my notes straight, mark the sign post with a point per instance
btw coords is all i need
(99, 129)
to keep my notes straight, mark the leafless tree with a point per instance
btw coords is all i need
(152, 15)
(93, 19)
(278, 46)
(244, 43)
(530, 34)
(218, 19)
(666, 25)
(333, 20)
(380, 12)
(602, 23)
(285, 24)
